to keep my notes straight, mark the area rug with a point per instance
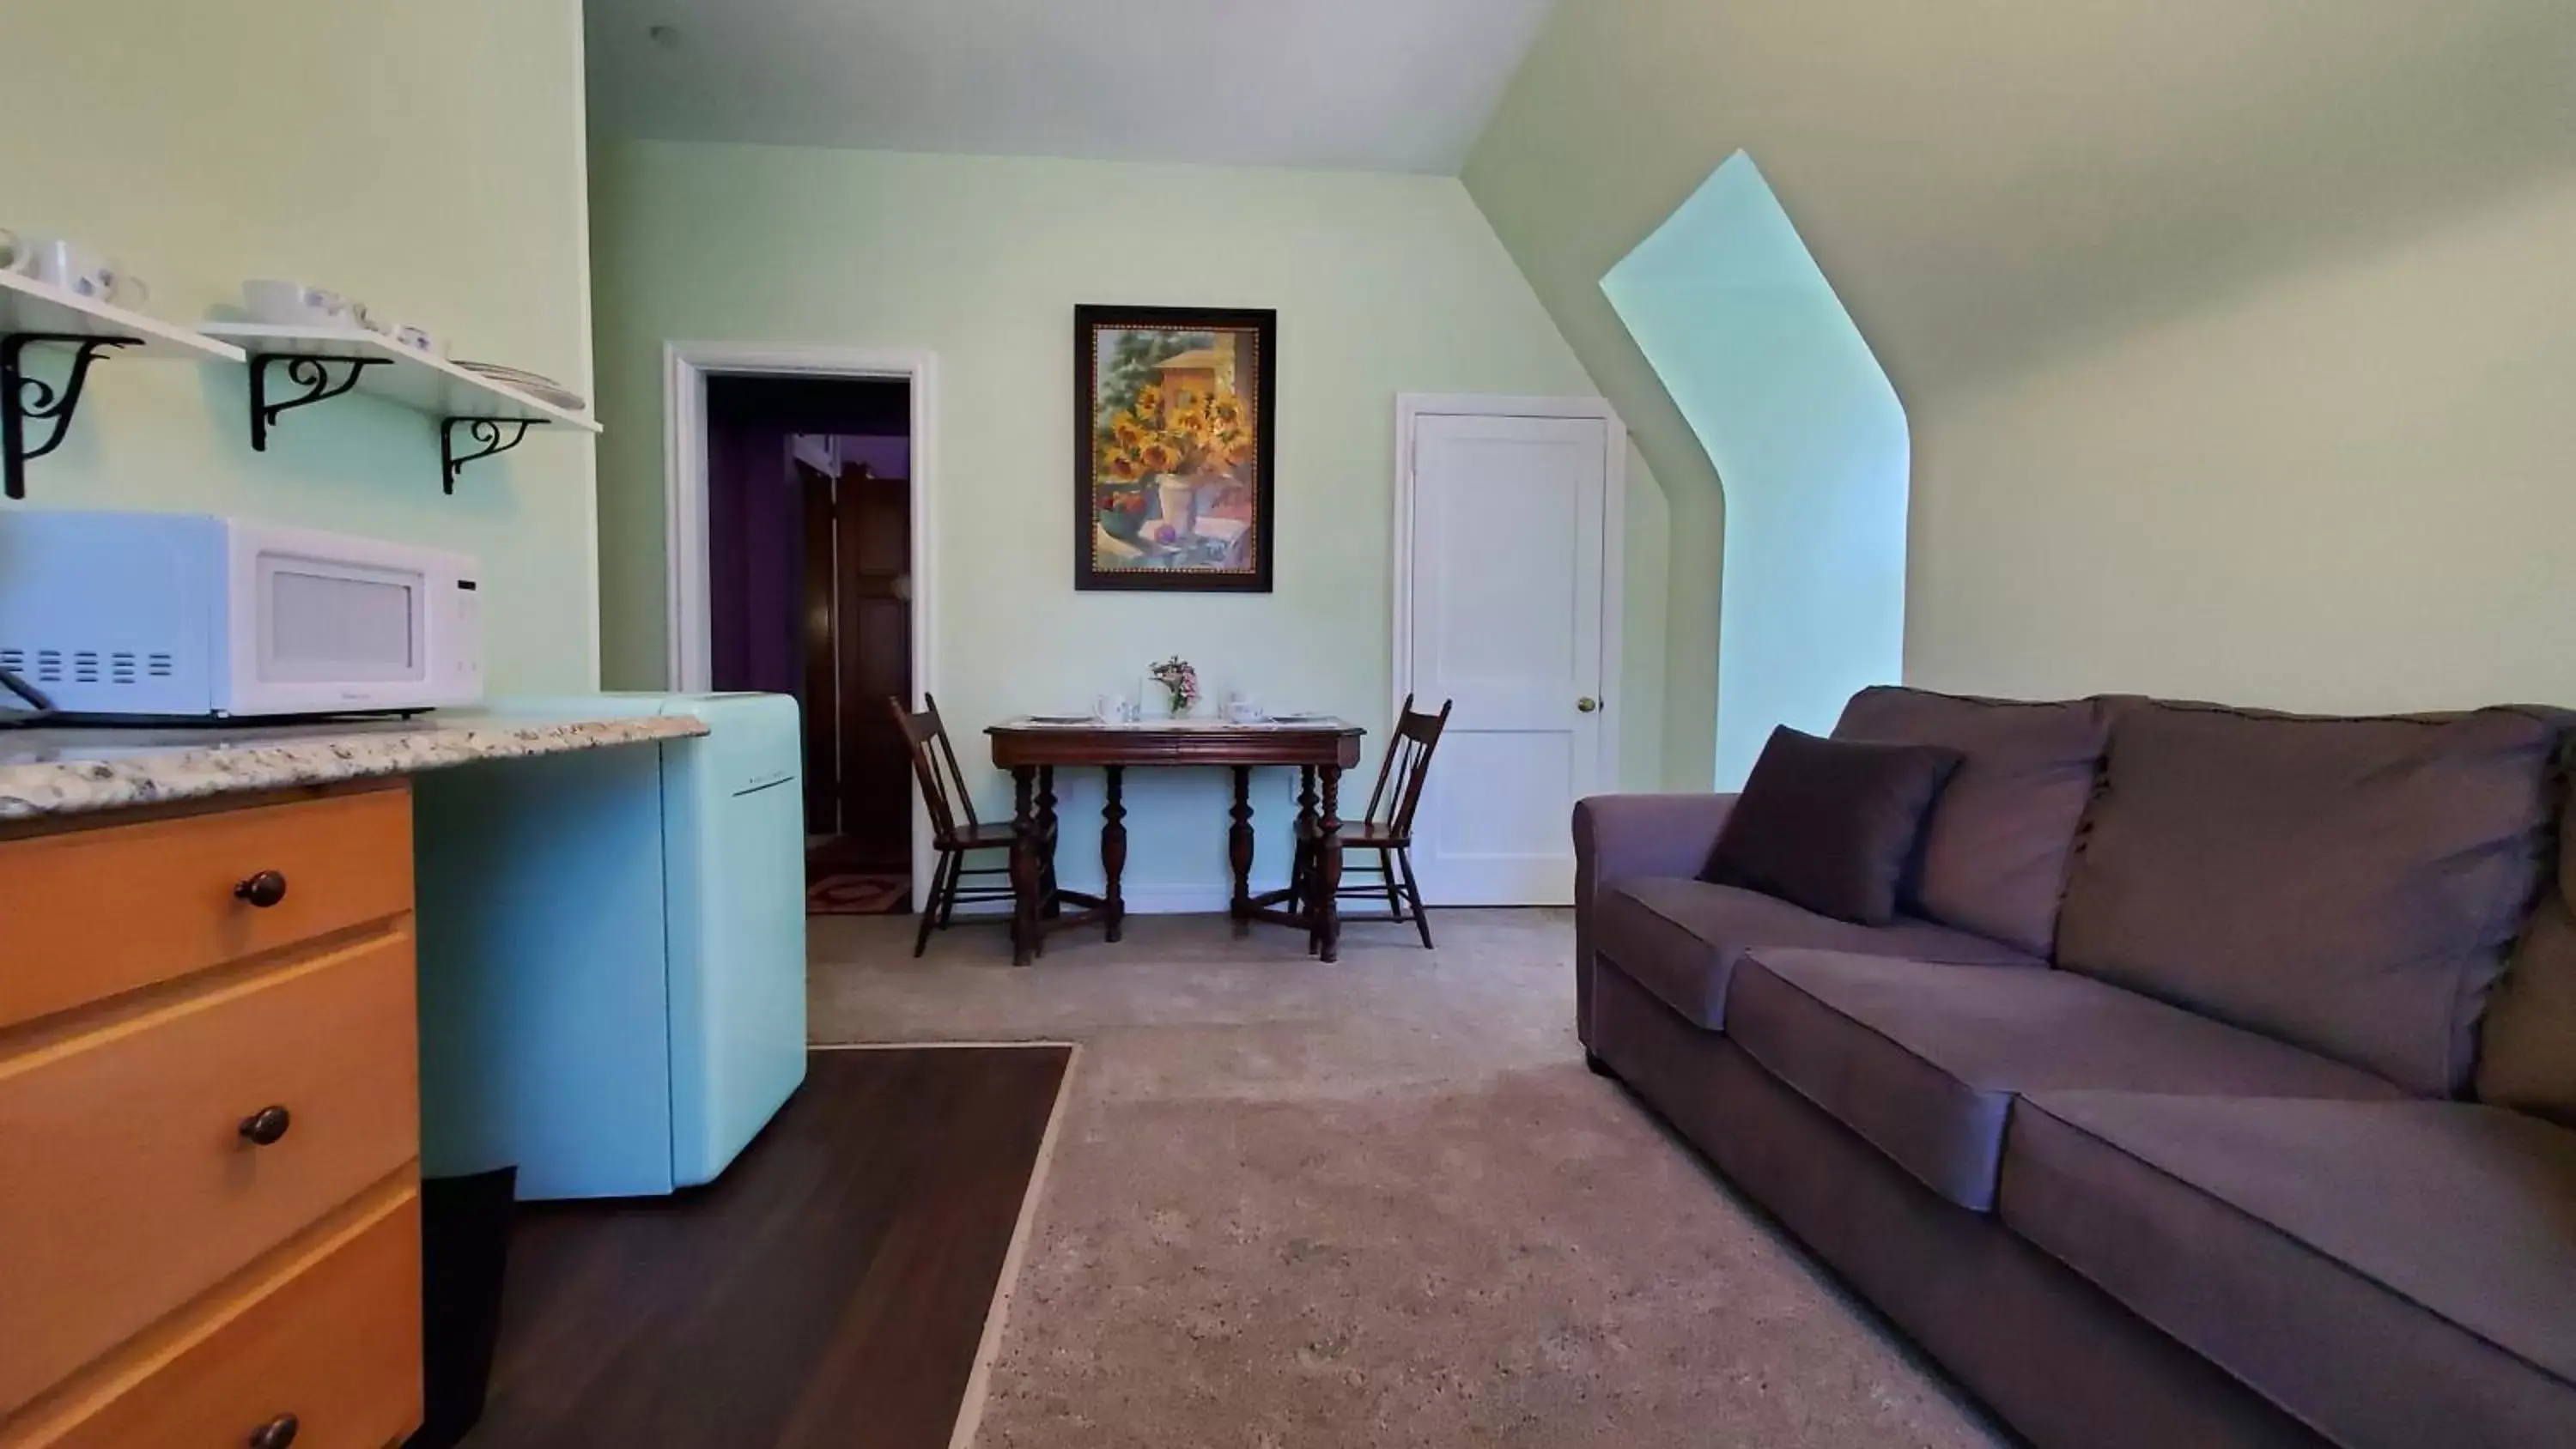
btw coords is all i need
(847, 893)
(1374, 1202)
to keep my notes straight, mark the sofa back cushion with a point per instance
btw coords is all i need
(2348, 885)
(2527, 1044)
(1996, 850)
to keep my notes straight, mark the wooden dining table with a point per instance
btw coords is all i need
(1033, 749)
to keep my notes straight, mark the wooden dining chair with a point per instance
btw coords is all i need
(943, 793)
(1386, 827)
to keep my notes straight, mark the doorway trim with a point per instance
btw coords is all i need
(688, 631)
(1410, 408)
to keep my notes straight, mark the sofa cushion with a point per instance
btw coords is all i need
(1997, 845)
(2393, 1273)
(1830, 825)
(2527, 1042)
(2350, 885)
(1681, 939)
(1924, 1061)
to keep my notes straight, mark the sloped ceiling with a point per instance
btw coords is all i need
(1986, 180)
(1388, 85)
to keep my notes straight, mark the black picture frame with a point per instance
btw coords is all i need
(1259, 329)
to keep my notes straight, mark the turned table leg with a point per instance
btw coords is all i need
(1113, 853)
(1328, 866)
(1024, 866)
(1048, 905)
(1301, 873)
(1238, 841)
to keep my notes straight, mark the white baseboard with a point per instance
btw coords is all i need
(1178, 899)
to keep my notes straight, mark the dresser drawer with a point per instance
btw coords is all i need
(129, 1182)
(332, 1337)
(96, 912)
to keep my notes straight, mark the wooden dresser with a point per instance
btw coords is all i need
(209, 1125)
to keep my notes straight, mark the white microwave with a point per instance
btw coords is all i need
(190, 616)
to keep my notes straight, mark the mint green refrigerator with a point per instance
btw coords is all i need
(612, 950)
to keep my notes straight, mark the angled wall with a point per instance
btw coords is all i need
(1784, 396)
(2235, 339)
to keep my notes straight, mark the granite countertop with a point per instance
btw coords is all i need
(75, 770)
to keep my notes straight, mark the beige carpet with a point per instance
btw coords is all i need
(1373, 1203)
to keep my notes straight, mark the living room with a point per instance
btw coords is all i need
(1827, 454)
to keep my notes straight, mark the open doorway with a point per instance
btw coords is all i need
(809, 553)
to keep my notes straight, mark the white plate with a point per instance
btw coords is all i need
(534, 384)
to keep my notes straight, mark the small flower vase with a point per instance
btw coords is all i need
(1179, 497)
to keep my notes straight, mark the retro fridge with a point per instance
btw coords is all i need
(612, 950)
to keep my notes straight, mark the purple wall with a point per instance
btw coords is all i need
(885, 456)
(755, 560)
(755, 510)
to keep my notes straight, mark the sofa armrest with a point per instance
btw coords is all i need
(1622, 837)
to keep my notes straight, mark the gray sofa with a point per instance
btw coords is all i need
(2215, 1089)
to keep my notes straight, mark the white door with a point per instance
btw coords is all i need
(1506, 568)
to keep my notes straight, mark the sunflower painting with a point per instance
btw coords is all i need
(1172, 485)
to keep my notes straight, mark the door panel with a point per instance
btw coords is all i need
(1507, 539)
(875, 629)
(821, 695)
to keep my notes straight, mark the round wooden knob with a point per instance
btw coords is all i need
(262, 1129)
(263, 890)
(277, 1433)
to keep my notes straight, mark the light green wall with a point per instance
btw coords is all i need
(2352, 490)
(426, 158)
(1383, 284)
(2233, 338)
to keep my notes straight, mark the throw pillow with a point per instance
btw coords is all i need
(1830, 824)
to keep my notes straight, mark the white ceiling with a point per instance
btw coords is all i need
(1382, 85)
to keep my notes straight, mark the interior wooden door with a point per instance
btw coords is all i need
(1506, 564)
(873, 620)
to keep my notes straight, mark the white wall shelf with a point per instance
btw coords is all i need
(32, 308)
(493, 415)
(36, 314)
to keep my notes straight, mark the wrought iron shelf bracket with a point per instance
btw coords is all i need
(26, 400)
(486, 433)
(312, 374)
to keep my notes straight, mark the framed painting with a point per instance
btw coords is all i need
(1171, 452)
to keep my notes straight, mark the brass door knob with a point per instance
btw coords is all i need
(1587, 704)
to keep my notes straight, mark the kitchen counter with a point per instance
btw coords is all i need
(74, 770)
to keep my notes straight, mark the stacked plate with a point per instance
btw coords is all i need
(536, 385)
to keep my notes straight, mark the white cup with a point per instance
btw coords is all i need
(293, 304)
(79, 270)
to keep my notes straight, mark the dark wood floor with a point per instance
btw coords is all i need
(829, 1289)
